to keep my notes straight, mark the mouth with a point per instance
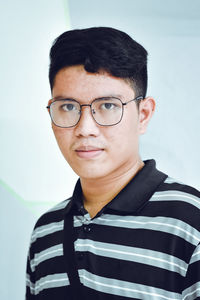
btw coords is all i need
(88, 152)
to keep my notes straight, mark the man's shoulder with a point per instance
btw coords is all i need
(176, 200)
(174, 187)
(50, 224)
(53, 216)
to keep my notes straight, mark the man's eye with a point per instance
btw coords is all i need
(68, 107)
(108, 106)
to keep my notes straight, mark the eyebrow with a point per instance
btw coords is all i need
(100, 97)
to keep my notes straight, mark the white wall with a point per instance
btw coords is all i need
(34, 175)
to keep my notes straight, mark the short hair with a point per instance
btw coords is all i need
(101, 49)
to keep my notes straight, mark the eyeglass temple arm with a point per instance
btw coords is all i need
(135, 99)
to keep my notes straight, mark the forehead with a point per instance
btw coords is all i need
(75, 82)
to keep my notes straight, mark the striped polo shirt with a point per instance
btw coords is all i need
(144, 244)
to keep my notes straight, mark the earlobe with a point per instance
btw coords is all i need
(146, 110)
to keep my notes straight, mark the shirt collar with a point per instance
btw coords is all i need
(133, 196)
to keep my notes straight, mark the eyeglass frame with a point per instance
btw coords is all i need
(90, 105)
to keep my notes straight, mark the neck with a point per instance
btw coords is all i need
(98, 192)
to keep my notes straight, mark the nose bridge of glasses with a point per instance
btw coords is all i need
(82, 105)
(87, 105)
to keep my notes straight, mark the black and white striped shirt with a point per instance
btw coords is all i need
(144, 244)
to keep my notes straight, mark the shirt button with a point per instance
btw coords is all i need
(86, 228)
(81, 210)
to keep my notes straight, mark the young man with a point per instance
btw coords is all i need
(129, 231)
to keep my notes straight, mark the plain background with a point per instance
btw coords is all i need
(34, 175)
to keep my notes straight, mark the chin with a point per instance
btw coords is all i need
(89, 169)
(90, 173)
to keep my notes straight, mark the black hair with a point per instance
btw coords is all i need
(101, 49)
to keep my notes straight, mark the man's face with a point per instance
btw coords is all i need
(95, 151)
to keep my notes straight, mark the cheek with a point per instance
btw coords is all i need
(63, 137)
(124, 138)
(126, 131)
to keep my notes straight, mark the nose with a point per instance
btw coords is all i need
(87, 125)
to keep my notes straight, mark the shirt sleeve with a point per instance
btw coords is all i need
(192, 279)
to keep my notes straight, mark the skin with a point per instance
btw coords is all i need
(105, 158)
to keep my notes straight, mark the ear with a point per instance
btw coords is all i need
(49, 103)
(146, 109)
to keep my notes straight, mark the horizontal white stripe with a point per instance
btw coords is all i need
(30, 284)
(80, 220)
(126, 253)
(59, 206)
(41, 286)
(176, 196)
(196, 255)
(51, 281)
(192, 292)
(46, 230)
(124, 288)
(46, 254)
(177, 227)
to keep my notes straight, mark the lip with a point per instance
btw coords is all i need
(88, 152)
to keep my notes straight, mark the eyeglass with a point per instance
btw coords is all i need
(106, 111)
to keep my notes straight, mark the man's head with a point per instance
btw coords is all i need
(86, 66)
(101, 48)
